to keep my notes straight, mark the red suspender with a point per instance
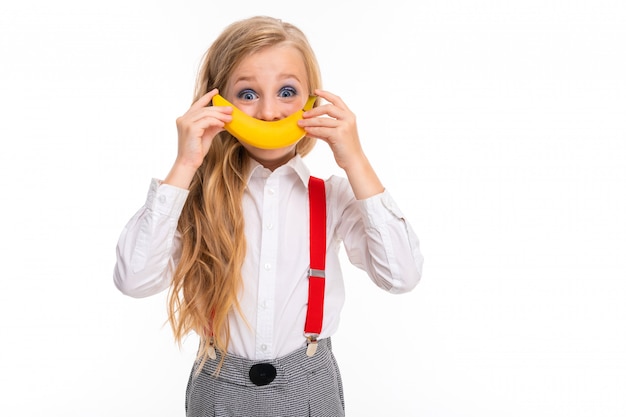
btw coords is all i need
(317, 279)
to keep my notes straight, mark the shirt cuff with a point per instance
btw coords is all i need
(379, 209)
(166, 199)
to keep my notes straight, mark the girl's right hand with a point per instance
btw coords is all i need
(197, 128)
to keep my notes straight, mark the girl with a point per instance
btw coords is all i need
(231, 232)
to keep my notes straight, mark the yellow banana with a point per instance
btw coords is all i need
(264, 134)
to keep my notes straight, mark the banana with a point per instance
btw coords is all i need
(264, 134)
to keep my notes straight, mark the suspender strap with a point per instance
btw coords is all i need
(317, 280)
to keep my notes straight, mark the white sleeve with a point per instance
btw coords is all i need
(149, 245)
(379, 239)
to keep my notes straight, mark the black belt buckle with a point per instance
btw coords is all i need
(262, 374)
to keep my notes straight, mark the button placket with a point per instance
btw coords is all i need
(267, 271)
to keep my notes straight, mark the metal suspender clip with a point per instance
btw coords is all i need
(311, 339)
(211, 348)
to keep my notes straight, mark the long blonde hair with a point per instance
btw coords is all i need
(208, 278)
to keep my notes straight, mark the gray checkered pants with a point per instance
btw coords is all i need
(304, 386)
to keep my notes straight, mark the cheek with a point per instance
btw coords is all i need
(298, 104)
(248, 109)
(294, 108)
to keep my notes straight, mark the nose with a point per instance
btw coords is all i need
(268, 110)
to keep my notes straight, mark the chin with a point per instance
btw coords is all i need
(271, 158)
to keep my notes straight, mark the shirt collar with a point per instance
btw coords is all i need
(295, 164)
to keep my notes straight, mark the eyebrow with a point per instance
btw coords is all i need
(247, 78)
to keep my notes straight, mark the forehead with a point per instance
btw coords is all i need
(279, 60)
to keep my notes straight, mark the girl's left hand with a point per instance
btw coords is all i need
(335, 124)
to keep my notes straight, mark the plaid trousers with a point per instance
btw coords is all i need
(303, 386)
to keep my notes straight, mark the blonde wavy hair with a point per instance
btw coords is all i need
(208, 278)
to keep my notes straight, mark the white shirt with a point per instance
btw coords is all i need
(376, 236)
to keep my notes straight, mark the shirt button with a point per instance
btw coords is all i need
(263, 348)
(270, 191)
(162, 199)
(269, 226)
(267, 266)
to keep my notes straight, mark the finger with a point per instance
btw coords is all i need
(330, 110)
(327, 122)
(219, 113)
(204, 100)
(331, 98)
(321, 132)
(208, 122)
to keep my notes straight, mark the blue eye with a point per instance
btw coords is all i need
(247, 95)
(287, 92)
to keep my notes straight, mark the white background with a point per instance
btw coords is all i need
(499, 127)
